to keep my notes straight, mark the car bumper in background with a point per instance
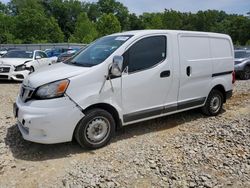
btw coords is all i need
(8, 73)
(47, 121)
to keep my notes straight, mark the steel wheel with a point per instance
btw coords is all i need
(97, 130)
(215, 103)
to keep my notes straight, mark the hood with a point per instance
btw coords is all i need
(13, 61)
(53, 73)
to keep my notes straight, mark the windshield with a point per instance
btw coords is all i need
(241, 54)
(99, 51)
(19, 54)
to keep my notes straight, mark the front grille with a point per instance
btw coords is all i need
(4, 77)
(26, 93)
(4, 69)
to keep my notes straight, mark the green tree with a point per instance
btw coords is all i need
(85, 31)
(33, 26)
(152, 20)
(7, 27)
(116, 8)
(135, 22)
(16, 6)
(3, 8)
(66, 12)
(108, 24)
(93, 11)
(172, 19)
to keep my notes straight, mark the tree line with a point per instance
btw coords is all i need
(52, 21)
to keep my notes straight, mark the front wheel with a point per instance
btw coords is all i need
(32, 70)
(96, 129)
(213, 104)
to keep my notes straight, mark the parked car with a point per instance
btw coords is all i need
(242, 63)
(18, 64)
(5, 50)
(55, 52)
(122, 79)
(66, 55)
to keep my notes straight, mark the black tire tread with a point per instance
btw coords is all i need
(88, 115)
(206, 108)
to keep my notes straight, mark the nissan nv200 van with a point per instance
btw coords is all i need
(122, 79)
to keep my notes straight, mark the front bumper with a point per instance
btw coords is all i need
(48, 121)
(12, 74)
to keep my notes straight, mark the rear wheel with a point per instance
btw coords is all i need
(96, 129)
(245, 74)
(213, 104)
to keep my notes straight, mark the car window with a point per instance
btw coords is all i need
(19, 54)
(43, 55)
(98, 51)
(145, 53)
(241, 54)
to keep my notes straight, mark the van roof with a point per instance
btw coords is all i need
(152, 31)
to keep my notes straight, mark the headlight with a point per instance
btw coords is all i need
(20, 67)
(52, 90)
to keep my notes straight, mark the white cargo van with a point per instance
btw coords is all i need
(122, 79)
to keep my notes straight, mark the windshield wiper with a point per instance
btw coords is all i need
(79, 64)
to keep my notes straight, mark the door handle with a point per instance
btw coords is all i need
(165, 74)
(188, 71)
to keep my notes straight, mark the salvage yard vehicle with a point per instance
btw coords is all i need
(18, 64)
(242, 63)
(66, 55)
(122, 79)
(5, 50)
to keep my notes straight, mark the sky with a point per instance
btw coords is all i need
(140, 6)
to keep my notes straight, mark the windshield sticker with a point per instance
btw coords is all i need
(122, 38)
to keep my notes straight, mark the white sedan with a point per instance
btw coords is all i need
(17, 64)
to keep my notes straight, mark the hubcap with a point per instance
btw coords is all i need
(97, 130)
(215, 104)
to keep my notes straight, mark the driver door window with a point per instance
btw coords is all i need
(145, 53)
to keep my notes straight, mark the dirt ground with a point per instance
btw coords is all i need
(26, 164)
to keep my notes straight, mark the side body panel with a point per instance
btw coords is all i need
(222, 53)
(195, 67)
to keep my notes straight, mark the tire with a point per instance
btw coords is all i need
(96, 129)
(213, 104)
(32, 70)
(245, 74)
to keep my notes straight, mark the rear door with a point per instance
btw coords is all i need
(195, 70)
(147, 78)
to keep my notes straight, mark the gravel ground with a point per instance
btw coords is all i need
(182, 150)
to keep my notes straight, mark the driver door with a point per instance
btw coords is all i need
(146, 79)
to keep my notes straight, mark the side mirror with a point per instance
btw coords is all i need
(116, 69)
(38, 57)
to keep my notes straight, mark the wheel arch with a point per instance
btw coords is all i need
(220, 88)
(109, 108)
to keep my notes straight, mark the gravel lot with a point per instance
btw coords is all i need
(182, 150)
